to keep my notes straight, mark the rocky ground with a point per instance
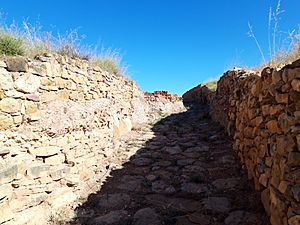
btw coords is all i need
(180, 171)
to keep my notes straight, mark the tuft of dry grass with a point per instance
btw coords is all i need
(30, 40)
(282, 50)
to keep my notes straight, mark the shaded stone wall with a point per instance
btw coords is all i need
(60, 120)
(261, 113)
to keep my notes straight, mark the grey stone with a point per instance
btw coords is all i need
(217, 204)
(112, 217)
(4, 152)
(8, 173)
(17, 64)
(194, 188)
(146, 216)
(173, 150)
(239, 217)
(114, 200)
(37, 171)
(229, 183)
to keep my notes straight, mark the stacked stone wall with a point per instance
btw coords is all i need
(261, 111)
(60, 120)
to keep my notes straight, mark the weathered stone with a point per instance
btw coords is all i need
(30, 107)
(32, 97)
(113, 217)
(194, 188)
(45, 151)
(223, 184)
(173, 150)
(256, 88)
(217, 204)
(6, 213)
(273, 127)
(146, 216)
(8, 173)
(240, 217)
(48, 96)
(6, 121)
(39, 170)
(55, 159)
(284, 144)
(17, 64)
(2, 64)
(296, 85)
(285, 122)
(265, 198)
(295, 220)
(6, 81)
(62, 199)
(5, 190)
(114, 200)
(293, 159)
(28, 83)
(282, 98)
(59, 173)
(263, 179)
(276, 76)
(10, 105)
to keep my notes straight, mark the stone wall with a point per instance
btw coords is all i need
(261, 111)
(60, 120)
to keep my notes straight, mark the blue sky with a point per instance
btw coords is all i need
(169, 44)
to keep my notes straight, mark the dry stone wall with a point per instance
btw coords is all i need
(60, 120)
(261, 111)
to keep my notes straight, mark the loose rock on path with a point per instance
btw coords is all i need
(182, 172)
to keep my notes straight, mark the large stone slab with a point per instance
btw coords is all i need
(8, 173)
(17, 64)
(10, 105)
(45, 151)
(28, 83)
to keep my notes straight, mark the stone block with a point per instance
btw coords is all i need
(5, 190)
(48, 96)
(8, 174)
(45, 151)
(6, 213)
(55, 159)
(273, 127)
(28, 83)
(10, 105)
(6, 81)
(60, 172)
(17, 64)
(296, 85)
(6, 121)
(38, 170)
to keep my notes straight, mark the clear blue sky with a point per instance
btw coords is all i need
(169, 44)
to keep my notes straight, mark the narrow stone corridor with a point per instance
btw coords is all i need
(183, 172)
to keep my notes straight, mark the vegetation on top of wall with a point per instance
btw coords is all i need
(10, 45)
(283, 47)
(30, 40)
(212, 85)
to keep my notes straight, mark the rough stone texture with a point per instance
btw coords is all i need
(261, 113)
(60, 120)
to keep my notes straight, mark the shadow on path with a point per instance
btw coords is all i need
(186, 174)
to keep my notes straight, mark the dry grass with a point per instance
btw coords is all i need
(30, 40)
(284, 47)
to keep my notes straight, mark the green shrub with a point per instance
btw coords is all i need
(212, 85)
(10, 45)
(108, 64)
